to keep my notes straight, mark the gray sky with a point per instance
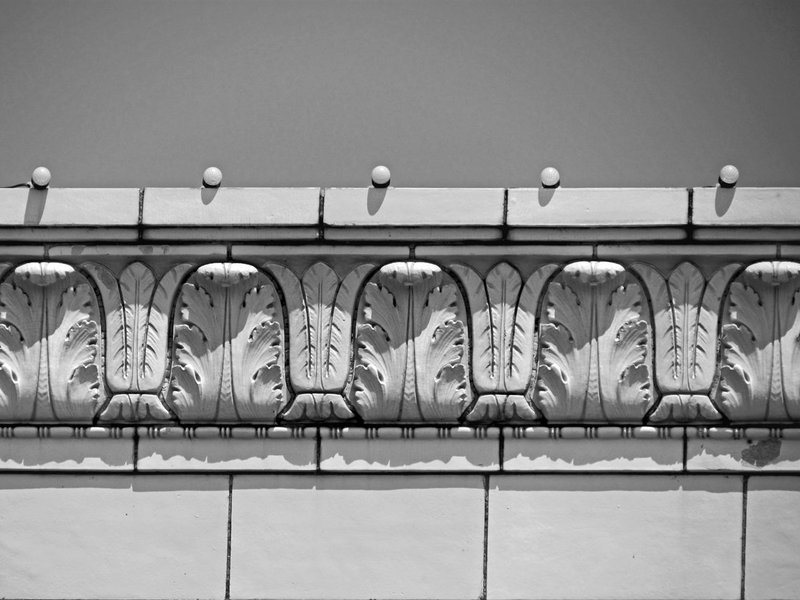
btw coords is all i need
(446, 93)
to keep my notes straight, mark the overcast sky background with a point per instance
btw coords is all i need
(446, 93)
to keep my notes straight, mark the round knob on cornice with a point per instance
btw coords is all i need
(728, 176)
(381, 176)
(550, 177)
(212, 177)
(41, 178)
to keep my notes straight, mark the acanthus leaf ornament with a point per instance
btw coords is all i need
(228, 347)
(594, 346)
(504, 338)
(320, 309)
(137, 310)
(49, 345)
(410, 363)
(759, 378)
(685, 316)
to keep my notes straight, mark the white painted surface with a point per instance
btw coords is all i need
(592, 454)
(354, 536)
(231, 206)
(81, 536)
(424, 454)
(69, 207)
(614, 536)
(68, 454)
(592, 207)
(746, 206)
(414, 206)
(704, 454)
(227, 454)
(773, 537)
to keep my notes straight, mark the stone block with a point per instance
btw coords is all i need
(113, 536)
(593, 449)
(597, 207)
(749, 207)
(614, 536)
(748, 449)
(222, 214)
(772, 563)
(466, 210)
(94, 448)
(234, 449)
(69, 207)
(409, 449)
(356, 536)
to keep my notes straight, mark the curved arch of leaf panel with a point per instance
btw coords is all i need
(760, 345)
(137, 306)
(595, 347)
(321, 307)
(228, 347)
(50, 345)
(504, 336)
(685, 311)
(411, 357)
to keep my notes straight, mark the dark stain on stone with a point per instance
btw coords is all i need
(762, 453)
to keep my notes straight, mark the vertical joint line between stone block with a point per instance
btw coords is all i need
(501, 447)
(690, 213)
(504, 226)
(321, 216)
(685, 442)
(228, 549)
(484, 586)
(135, 449)
(745, 482)
(318, 450)
(140, 217)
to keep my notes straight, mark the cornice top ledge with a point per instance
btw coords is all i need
(399, 214)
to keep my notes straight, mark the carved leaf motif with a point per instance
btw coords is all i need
(563, 375)
(704, 352)
(198, 365)
(321, 310)
(48, 344)
(789, 306)
(594, 347)
(137, 313)
(747, 369)
(256, 342)
(504, 337)
(336, 362)
(759, 342)
(20, 351)
(622, 350)
(153, 365)
(410, 344)
(379, 374)
(228, 347)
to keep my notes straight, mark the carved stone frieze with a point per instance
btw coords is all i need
(504, 339)
(228, 348)
(303, 341)
(595, 347)
(760, 362)
(411, 339)
(320, 309)
(50, 345)
(137, 311)
(686, 322)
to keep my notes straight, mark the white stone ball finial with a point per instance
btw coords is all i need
(381, 176)
(41, 178)
(728, 175)
(212, 177)
(550, 177)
